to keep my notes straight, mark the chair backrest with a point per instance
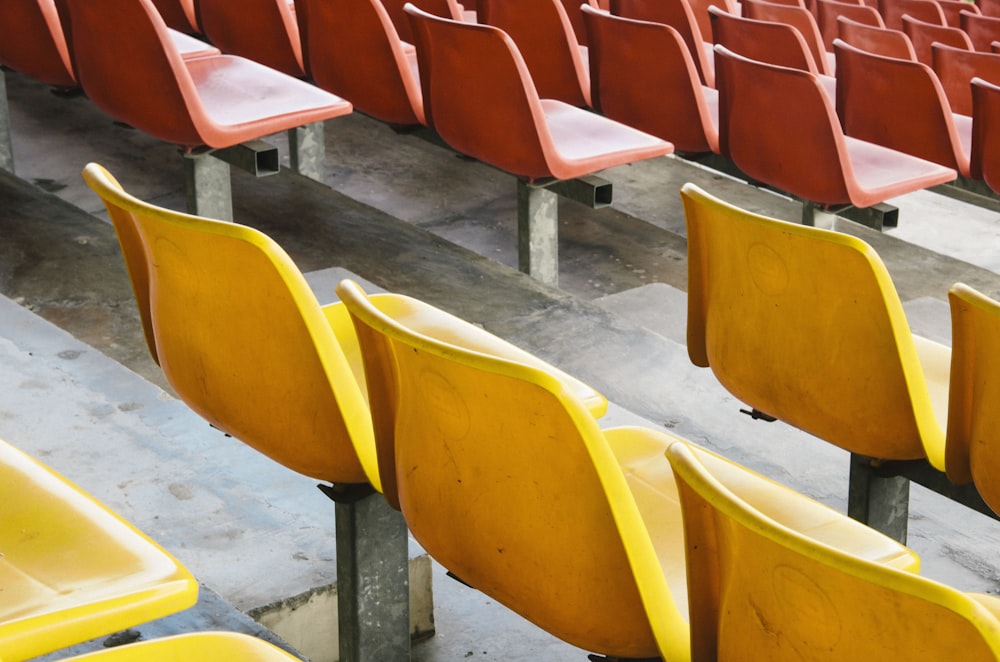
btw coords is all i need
(985, 160)
(575, 16)
(179, 14)
(545, 38)
(804, 324)
(474, 83)
(241, 338)
(952, 10)
(982, 30)
(261, 30)
(503, 478)
(923, 35)
(766, 588)
(443, 8)
(352, 48)
(642, 75)
(928, 11)
(678, 14)
(829, 10)
(796, 16)
(866, 82)
(989, 7)
(765, 41)
(956, 67)
(32, 42)
(122, 51)
(890, 43)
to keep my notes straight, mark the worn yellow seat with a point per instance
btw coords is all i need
(768, 592)
(195, 647)
(805, 325)
(973, 414)
(72, 570)
(506, 479)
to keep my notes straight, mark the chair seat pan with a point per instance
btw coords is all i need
(585, 142)
(244, 100)
(883, 173)
(190, 47)
(71, 570)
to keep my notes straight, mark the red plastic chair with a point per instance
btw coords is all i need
(264, 31)
(544, 36)
(478, 94)
(446, 8)
(572, 8)
(985, 159)
(179, 14)
(952, 10)
(351, 48)
(778, 125)
(890, 43)
(982, 30)
(642, 75)
(989, 7)
(892, 12)
(900, 104)
(680, 15)
(830, 10)
(956, 67)
(922, 35)
(799, 18)
(123, 51)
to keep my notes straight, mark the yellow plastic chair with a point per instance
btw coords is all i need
(771, 593)
(195, 647)
(243, 341)
(71, 569)
(506, 479)
(973, 415)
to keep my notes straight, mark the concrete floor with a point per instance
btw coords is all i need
(412, 217)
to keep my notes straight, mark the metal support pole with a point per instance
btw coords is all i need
(808, 213)
(373, 588)
(207, 186)
(538, 232)
(881, 502)
(307, 151)
(6, 146)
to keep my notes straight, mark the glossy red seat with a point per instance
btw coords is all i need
(982, 30)
(799, 18)
(352, 48)
(544, 36)
(985, 159)
(956, 67)
(446, 8)
(900, 104)
(264, 31)
(680, 15)
(922, 35)
(890, 43)
(778, 125)
(828, 11)
(642, 75)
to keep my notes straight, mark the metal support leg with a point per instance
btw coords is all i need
(809, 213)
(207, 186)
(6, 147)
(538, 232)
(373, 594)
(307, 151)
(881, 502)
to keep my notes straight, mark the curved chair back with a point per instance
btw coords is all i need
(575, 16)
(982, 30)
(352, 48)
(883, 41)
(804, 324)
(181, 15)
(923, 35)
(242, 340)
(985, 159)
(264, 31)
(956, 67)
(828, 11)
(764, 41)
(866, 82)
(952, 10)
(928, 11)
(786, 596)
(678, 14)
(506, 479)
(972, 412)
(799, 18)
(545, 38)
(444, 8)
(32, 42)
(642, 75)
